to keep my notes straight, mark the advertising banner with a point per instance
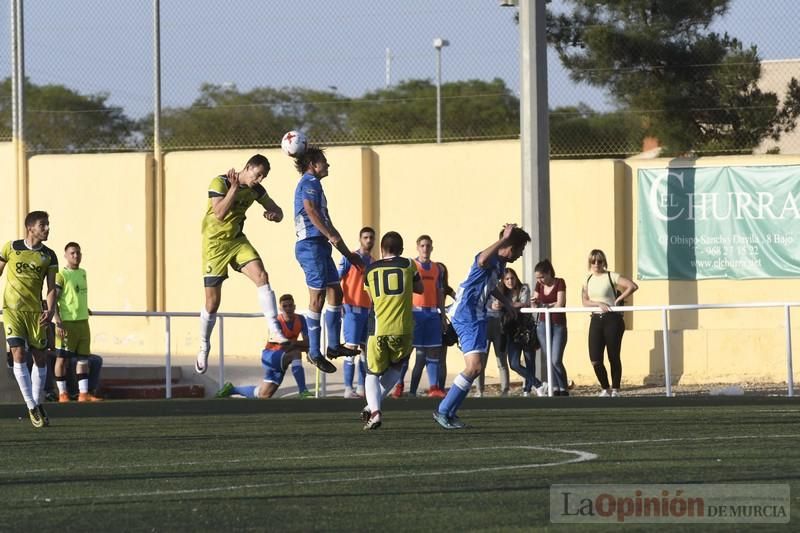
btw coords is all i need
(730, 222)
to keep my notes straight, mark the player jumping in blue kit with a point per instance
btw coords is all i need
(316, 238)
(468, 315)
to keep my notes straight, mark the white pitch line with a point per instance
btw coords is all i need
(73, 468)
(580, 456)
(682, 439)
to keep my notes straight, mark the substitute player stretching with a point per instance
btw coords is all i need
(224, 243)
(468, 316)
(390, 282)
(29, 263)
(316, 238)
(72, 325)
(276, 357)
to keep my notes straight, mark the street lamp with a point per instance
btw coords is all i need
(439, 43)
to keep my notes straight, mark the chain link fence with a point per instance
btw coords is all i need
(354, 72)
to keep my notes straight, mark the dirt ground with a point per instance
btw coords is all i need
(706, 389)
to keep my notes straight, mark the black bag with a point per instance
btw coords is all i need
(449, 337)
(523, 332)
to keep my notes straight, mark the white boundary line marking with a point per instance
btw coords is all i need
(72, 468)
(579, 457)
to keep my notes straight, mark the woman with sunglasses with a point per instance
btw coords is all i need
(604, 289)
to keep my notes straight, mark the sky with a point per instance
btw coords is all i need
(106, 46)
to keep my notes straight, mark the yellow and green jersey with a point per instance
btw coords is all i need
(232, 225)
(390, 284)
(73, 300)
(26, 270)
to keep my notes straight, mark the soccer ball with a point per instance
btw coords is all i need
(294, 143)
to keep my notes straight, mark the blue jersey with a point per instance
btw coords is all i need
(309, 188)
(470, 304)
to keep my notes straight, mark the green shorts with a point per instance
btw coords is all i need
(77, 339)
(23, 327)
(217, 255)
(387, 350)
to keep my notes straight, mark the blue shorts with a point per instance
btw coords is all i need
(314, 256)
(354, 322)
(472, 336)
(272, 361)
(427, 329)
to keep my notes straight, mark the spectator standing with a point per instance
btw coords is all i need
(551, 292)
(605, 289)
(519, 331)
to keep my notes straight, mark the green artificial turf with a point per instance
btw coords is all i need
(308, 466)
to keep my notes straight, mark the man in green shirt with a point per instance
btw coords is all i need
(29, 263)
(72, 325)
(225, 244)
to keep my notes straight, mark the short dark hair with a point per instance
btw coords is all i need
(258, 160)
(518, 238)
(424, 237)
(72, 244)
(285, 297)
(392, 242)
(366, 229)
(35, 216)
(545, 267)
(313, 154)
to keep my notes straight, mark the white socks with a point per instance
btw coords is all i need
(372, 389)
(24, 382)
(207, 321)
(38, 379)
(266, 299)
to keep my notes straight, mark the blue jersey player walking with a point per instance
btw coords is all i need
(468, 316)
(316, 238)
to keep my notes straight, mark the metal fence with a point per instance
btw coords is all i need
(349, 72)
(321, 390)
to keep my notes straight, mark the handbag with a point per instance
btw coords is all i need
(449, 337)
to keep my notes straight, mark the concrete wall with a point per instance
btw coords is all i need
(459, 193)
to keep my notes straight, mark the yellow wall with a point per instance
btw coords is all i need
(459, 193)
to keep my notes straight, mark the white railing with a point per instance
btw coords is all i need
(321, 381)
(665, 331)
(220, 327)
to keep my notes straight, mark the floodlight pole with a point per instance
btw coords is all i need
(534, 131)
(439, 43)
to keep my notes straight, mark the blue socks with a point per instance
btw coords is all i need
(299, 375)
(432, 368)
(248, 391)
(455, 396)
(349, 369)
(333, 325)
(362, 372)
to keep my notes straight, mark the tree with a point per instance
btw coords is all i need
(58, 119)
(471, 109)
(693, 88)
(581, 132)
(222, 117)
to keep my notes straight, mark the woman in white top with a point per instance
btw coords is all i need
(604, 289)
